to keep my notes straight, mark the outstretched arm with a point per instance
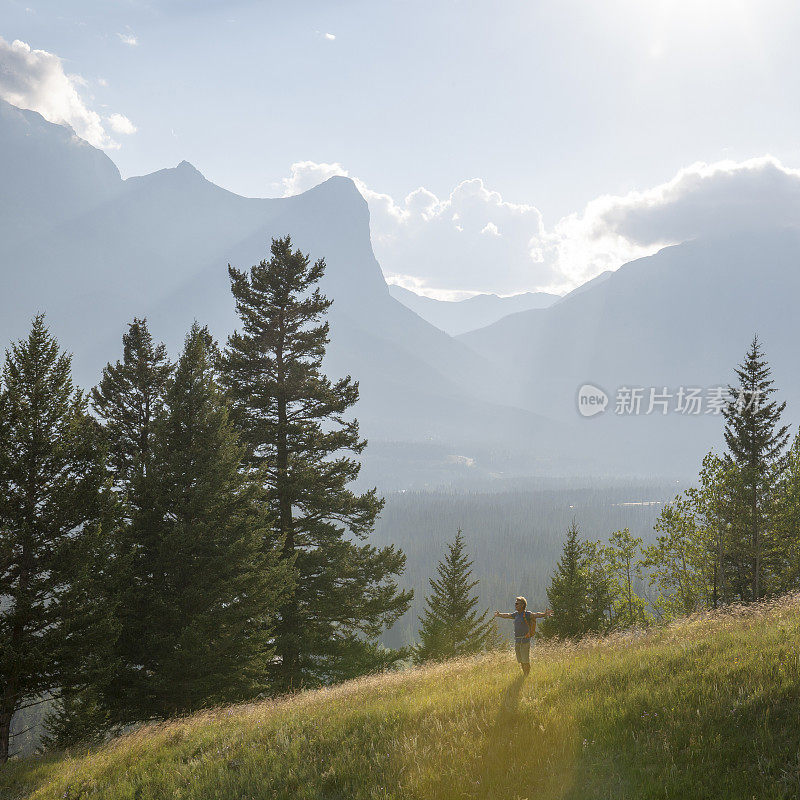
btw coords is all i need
(542, 614)
(503, 615)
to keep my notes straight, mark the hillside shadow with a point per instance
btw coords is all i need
(504, 740)
(520, 752)
(509, 705)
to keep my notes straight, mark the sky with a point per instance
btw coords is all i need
(502, 146)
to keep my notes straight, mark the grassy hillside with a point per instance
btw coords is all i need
(709, 707)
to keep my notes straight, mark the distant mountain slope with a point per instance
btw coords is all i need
(475, 312)
(593, 282)
(159, 246)
(47, 174)
(683, 317)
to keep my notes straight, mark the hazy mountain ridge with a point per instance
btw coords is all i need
(461, 316)
(93, 251)
(158, 246)
(682, 317)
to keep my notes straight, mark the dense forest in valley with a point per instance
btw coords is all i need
(515, 537)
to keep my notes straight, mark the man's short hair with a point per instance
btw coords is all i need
(523, 601)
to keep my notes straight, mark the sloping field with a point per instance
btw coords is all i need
(706, 708)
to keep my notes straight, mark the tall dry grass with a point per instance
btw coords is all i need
(708, 707)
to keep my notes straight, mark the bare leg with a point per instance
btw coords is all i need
(526, 668)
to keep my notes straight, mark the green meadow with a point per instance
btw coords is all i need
(708, 707)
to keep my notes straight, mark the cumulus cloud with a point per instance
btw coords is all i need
(701, 200)
(35, 79)
(121, 124)
(128, 39)
(306, 175)
(330, 37)
(474, 240)
(704, 199)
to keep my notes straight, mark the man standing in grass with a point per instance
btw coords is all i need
(524, 628)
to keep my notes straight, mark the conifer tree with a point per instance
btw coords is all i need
(756, 441)
(78, 716)
(55, 512)
(128, 400)
(568, 593)
(211, 598)
(293, 420)
(450, 625)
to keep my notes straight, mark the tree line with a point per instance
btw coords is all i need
(184, 534)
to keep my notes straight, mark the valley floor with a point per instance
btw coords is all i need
(706, 708)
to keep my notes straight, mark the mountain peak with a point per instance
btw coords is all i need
(180, 175)
(339, 196)
(340, 185)
(341, 180)
(188, 168)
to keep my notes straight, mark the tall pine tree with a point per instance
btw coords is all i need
(450, 625)
(55, 512)
(569, 590)
(293, 420)
(128, 400)
(756, 442)
(211, 599)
